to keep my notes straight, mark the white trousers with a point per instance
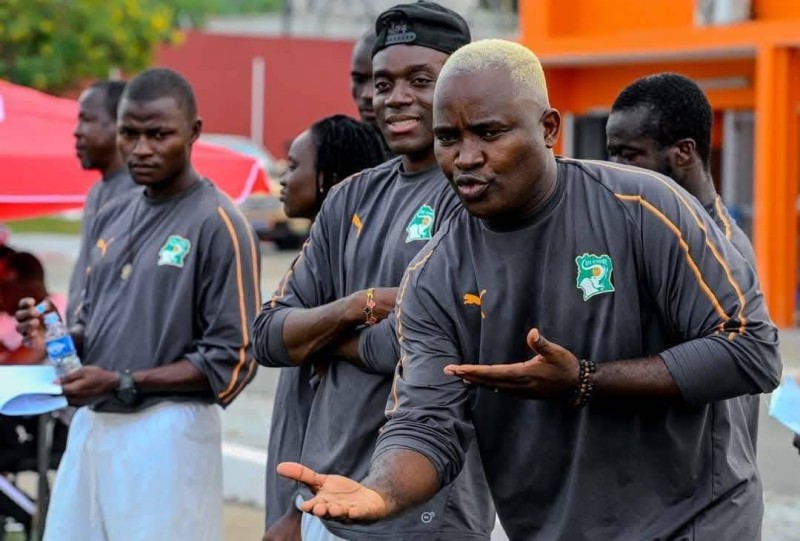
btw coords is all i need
(146, 476)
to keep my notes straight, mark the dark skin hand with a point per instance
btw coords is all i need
(287, 528)
(335, 496)
(553, 373)
(31, 327)
(88, 383)
(309, 331)
(398, 480)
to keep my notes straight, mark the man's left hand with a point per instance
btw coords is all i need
(552, 372)
(88, 383)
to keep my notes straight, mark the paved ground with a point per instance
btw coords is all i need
(246, 422)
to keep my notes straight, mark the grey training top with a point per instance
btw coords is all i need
(192, 293)
(369, 228)
(294, 395)
(719, 213)
(621, 263)
(99, 195)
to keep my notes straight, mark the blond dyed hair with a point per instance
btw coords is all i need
(486, 54)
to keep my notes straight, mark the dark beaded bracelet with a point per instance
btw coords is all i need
(583, 392)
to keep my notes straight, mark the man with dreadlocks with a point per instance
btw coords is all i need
(334, 301)
(330, 151)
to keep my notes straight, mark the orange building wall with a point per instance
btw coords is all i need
(773, 10)
(591, 49)
(582, 90)
(305, 80)
(604, 17)
(601, 17)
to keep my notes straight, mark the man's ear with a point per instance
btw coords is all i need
(551, 122)
(683, 153)
(197, 127)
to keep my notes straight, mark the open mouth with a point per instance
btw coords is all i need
(471, 188)
(399, 124)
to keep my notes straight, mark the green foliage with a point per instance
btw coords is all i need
(54, 44)
(46, 224)
(196, 11)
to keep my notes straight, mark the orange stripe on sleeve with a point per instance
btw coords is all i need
(253, 253)
(685, 247)
(242, 312)
(400, 295)
(285, 280)
(722, 216)
(251, 364)
(714, 251)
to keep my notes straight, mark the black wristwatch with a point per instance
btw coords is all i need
(126, 391)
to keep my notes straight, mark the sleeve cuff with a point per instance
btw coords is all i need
(376, 348)
(269, 347)
(421, 439)
(703, 370)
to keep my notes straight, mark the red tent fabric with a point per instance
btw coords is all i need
(40, 174)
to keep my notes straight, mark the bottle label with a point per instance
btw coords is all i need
(59, 348)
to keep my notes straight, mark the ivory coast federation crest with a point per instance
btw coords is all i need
(594, 274)
(421, 225)
(174, 251)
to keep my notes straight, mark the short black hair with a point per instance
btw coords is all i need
(157, 83)
(26, 266)
(112, 92)
(678, 107)
(345, 146)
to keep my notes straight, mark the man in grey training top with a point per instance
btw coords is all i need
(164, 336)
(330, 303)
(614, 427)
(288, 424)
(96, 147)
(663, 122)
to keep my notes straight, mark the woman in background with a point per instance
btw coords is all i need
(328, 152)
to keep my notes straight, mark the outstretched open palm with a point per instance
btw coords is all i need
(336, 497)
(552, 372)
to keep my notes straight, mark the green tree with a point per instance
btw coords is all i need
(55, 44)
(195, 12)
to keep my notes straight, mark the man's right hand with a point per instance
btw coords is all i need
(335, 497)
(287, 528)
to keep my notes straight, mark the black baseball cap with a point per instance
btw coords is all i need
(422, 23)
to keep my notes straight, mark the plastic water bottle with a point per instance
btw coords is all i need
(60, 347)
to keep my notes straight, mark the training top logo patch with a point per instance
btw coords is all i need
(421, 224)
(594, 274)
(174, 251)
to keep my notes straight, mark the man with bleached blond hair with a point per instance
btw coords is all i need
(611, 427)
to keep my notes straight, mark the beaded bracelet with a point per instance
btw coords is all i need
(368, 309)
(583, 392)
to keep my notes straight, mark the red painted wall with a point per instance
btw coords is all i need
(306, 79)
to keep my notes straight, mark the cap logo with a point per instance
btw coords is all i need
(398, 33)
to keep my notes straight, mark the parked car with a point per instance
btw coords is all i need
(265, 212)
